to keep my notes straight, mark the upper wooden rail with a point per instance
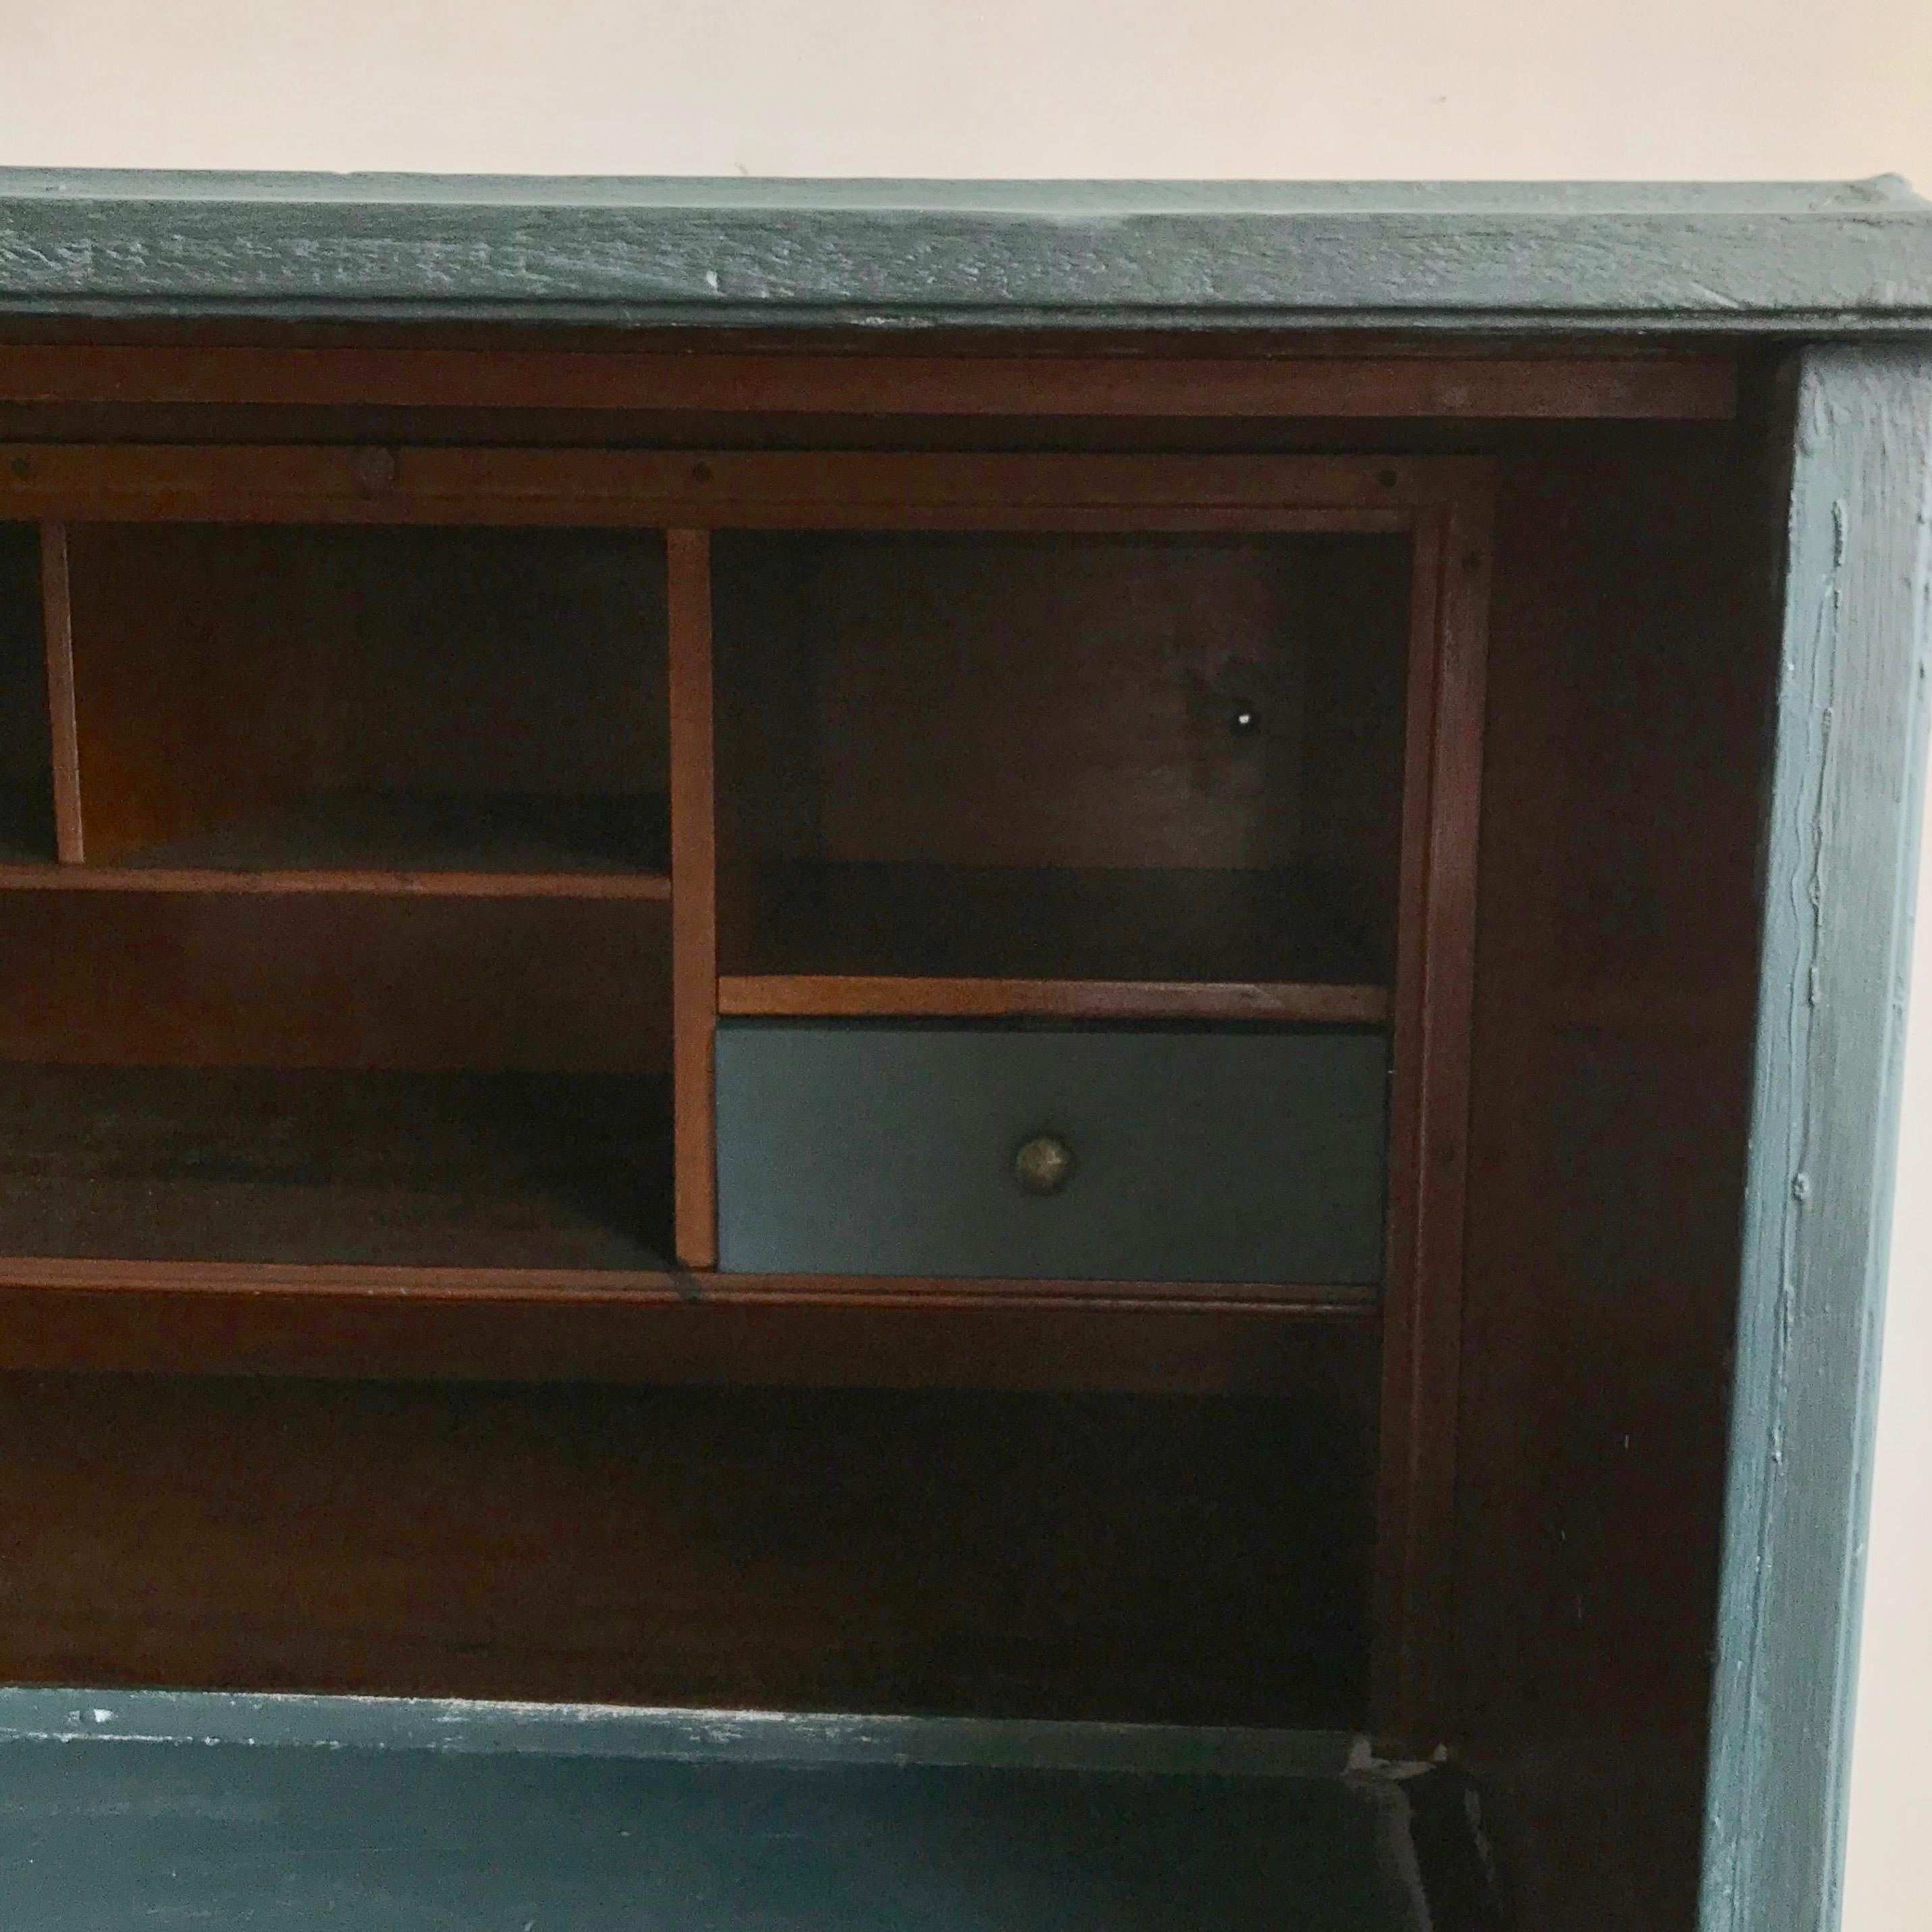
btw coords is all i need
(1668, 386)
(218, 482)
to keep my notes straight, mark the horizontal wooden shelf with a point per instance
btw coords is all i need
(44, 876)
(989, 939)
(482, 846)
(463, 1188)
(655, 1327)
(854, 996)
(660, 1282)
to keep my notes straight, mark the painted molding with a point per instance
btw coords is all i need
(1833, 258)
(1840, 878)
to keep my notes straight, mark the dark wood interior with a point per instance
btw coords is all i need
(421, 982)
(356, 1168)
(1098, 1556)
(249, 698)
(400, 999)
(1039, 758)
(1631, 667)
(26, 767)
(424, 1080)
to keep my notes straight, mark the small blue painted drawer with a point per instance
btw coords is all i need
(1052, 1152)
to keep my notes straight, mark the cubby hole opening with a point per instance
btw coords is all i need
(1147, 1559)
(335, 1079)
(263, 698)
(26, 761)
(1061, 756)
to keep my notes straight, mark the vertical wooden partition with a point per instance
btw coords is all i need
(57, 609)
(694, 839)
(1429, 1115)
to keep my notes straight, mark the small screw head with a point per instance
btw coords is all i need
(374, 470)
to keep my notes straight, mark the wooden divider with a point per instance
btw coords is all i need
(57, 608)
(694, 838)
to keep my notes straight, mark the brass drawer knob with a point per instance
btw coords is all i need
(1042, 1164)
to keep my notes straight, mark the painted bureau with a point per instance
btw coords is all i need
(1085, 955)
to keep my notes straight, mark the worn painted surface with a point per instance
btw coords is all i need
(1852, 714)
(1832, 257)
(53, 1716)
(349, 1811)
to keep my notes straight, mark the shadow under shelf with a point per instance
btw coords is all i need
(481, 844)
(822, 938)
(353, 1167)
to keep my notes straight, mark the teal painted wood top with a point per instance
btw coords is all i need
(1844, 258)
(405, 1817)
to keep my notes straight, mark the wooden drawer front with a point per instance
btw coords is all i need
(855, 1147)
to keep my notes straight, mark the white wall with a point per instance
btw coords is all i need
(1721, 89)
(1389, 88)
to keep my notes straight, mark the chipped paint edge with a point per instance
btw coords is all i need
(40, 1716)
(1830, 259)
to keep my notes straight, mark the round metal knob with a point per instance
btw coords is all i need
(1042, 1164)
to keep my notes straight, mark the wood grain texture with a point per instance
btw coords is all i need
(420, 981)
(475, 845)
(1141, 386)
(414, 483)
(694, 831)
(1003, 700)
(1172, 1558)
(1840, 869)
(1429, 1115)
(223, 674)
(57, 622)
(414, 882)
(856, 995)
(1738, 258)
(653, 1329)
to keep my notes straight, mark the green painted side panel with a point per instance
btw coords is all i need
(1198, 1154)
(1833, 258)
(1840, 863)
(376, 1829)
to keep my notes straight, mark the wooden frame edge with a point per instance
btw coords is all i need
(694, 899)
(1844, 817)
(1433, 1009)
(63, 716)
(708, 489)
(1673, 386)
